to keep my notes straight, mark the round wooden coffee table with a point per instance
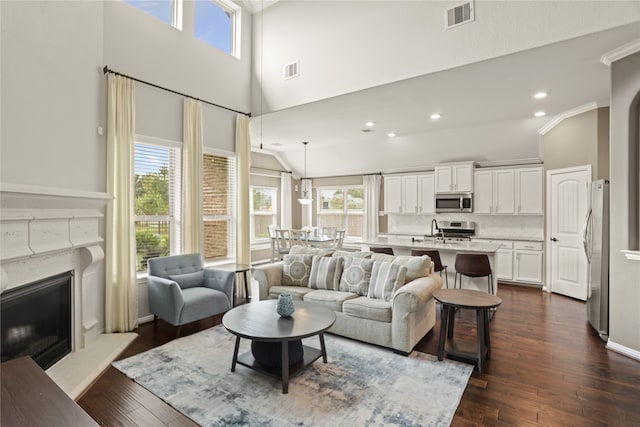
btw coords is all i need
(259, 321)
(481, 302)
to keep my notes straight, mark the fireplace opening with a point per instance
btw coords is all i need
(36, 320)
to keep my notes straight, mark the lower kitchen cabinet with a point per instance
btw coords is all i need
(519, 261)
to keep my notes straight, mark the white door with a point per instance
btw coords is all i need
(567, 203)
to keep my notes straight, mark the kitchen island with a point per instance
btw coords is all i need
(448, 251)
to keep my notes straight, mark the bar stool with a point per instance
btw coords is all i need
(473, 265)
(437, 262)
(388, 251)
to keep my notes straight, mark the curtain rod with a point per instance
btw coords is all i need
(343, 176)
(270, 170)
(106, 70)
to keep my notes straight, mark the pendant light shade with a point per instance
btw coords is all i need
(306, 198)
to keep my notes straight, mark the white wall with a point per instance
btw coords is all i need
(624, 287)
(52, 94)
(344, 46)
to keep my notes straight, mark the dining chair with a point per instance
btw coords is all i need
(283, 242)
(437, 262)
(272, 241)
(473, 265)
(299, 237)
(339, 240)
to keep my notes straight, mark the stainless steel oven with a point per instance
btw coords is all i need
(454, 202)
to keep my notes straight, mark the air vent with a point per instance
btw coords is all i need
(292, 70)
(459, 15)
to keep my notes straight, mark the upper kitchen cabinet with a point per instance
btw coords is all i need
(507, 191)
(393, 194)
(409, 194)
(494, 192)
(529, 184)
(454, 178)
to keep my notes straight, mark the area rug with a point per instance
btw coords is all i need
(362, 385)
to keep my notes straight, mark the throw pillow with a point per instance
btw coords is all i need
(386, 278)
(365, 254)
(417, 266)
(356, 275)
(296, 270)
(325, 273)
(188, 280)
(308, 250)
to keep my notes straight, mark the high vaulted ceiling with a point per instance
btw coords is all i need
(487, 112)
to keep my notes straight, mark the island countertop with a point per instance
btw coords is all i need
(406, 243)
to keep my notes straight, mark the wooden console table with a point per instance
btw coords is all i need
(481, 302)
(30, 398)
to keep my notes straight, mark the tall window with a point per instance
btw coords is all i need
(218, 174)
(168, 11)
(217, 22)
(264, 212)
(156, 202)
(342, 208)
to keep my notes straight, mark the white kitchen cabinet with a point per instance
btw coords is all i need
(426, 193)
(393, 194)
(529, 185)
(454, 178)
(528, 262)
(409, 194)
(494, 192)
(519, 261)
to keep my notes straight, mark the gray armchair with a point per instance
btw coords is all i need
(182, 291)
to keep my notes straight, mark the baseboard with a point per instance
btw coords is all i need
(626, 351)
(145, 319)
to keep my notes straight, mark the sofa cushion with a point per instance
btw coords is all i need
(325, 273)
(386, 278)
(368, 308)
(296, 270)
(356, 275)
(332, 300)
(362, 254)
(297, 292)
(308, 250)
(188, 280)
(417, 266)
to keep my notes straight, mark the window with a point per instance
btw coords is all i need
(156, 202)
(168, 11)
(216, 22)
(218, 202)
(263, 212)
(342, 208)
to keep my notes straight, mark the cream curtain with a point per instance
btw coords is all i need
(307, 210)
(192, 227)
(121, 305)
(285, 200)
(371, 206)
(243, 165)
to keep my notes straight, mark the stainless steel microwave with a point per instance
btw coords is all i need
(454, 202)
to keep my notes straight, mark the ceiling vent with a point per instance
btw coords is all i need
(459, 15)
(292, 70)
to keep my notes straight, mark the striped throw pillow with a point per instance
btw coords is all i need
(386, 278)
(325, 273)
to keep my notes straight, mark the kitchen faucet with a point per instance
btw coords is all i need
(433, 222)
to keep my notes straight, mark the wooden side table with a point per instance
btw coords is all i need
(482, 303)
(238, 268)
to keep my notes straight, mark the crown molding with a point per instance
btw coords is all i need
(620, 52)
(562, 116)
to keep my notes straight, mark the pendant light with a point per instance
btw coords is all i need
(305, 199)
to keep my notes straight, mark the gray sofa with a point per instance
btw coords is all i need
(398, 323)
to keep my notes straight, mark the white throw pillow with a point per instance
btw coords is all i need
(386, 278)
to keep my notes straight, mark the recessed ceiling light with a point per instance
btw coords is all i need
(435, 116)
(540, 95)
(540, 113)
(391, 134)
(370, 123)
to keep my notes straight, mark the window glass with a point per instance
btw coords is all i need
(341, 209)
(161, 9)
(263, 211)
(214, 24)
(156, 202)
(218, 206)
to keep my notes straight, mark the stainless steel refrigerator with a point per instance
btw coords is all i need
(596, 246)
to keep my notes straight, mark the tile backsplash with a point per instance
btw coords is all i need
(495, 226)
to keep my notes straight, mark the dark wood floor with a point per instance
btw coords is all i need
(547, 368)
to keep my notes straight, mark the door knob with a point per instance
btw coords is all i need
(553, 239)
